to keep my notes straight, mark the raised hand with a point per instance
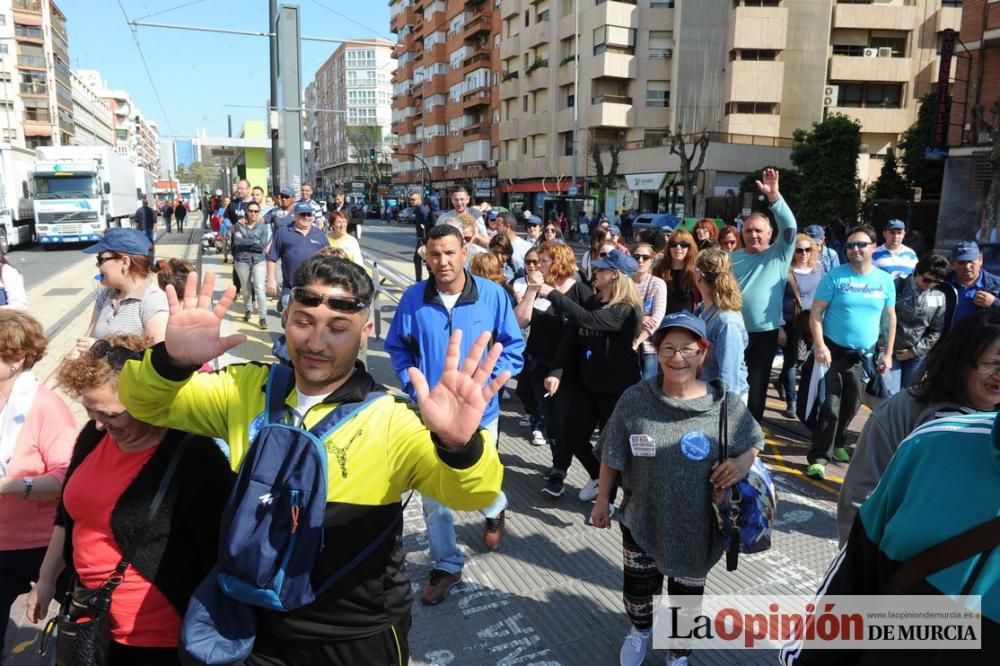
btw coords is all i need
(454, 408)
(768, 184)
(192, 336)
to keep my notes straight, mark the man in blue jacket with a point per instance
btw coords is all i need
(429, 312)
(977, 289)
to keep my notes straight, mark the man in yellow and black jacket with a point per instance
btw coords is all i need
(381, 452)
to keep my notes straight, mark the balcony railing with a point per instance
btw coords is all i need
(610, 99)
(28, 5)
(29, 31)
(34, 89)
(31, 61)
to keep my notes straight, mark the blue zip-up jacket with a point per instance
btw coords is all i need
(420, 330)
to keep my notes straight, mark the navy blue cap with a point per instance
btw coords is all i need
(684, 320)
(492, 215)
(303, 207)
(965, 251)
(615, 231)
(123, 241)
(287, 191)
(533, 220)
(619, 261)
(815, 232)
(894, 224)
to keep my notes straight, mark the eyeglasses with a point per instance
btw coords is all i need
(683, 244)
(804, 250)
(311, 299)
(550, 230)
(642, 257)
(305, 214)
(857, 245)
(116, 357)
(107, 257)
(530, 262)
(285, 196)
(928, 280)
(685, 352)
(986, 368)
(468, 239)
(253, 210)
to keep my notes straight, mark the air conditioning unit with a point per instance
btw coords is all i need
(871, 53)
(491, 163)
(830, 94)
(885, 52)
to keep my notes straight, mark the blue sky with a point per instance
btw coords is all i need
(197, 73)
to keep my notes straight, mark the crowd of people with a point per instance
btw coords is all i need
(645, 344)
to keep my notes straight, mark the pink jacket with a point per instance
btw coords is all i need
(44, 446)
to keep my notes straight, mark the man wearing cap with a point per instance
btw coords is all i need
(761, 269)
(283, 214)
(534, 229)
(291, 246)
(977, 289)
(505, 225)
(828, 259)
(892, 256)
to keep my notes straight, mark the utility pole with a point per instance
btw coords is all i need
(576, 96)
(272, 18)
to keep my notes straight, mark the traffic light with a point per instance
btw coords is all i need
(371, 154)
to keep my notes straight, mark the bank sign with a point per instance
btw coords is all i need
(638, 182)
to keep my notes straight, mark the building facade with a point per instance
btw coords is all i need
(135, 137)
(445, 111)
(348, 113)
(748, 71)
(92, 118)
(35, 78)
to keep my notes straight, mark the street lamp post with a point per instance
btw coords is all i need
(426, 170)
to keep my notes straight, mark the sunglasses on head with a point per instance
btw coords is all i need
(116, 357)
(311, 299)
(683, 244)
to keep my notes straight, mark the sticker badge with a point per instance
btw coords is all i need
(695, 445)
(643, 446)
(255, 426)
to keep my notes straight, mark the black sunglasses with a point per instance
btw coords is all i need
(804, 250)
(285, 196)
(116, 357)
(530, 262)
(109, 257)
(683, 244)
(602, 254)
(642, 257)
(311, 299)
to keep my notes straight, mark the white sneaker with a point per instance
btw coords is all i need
(589, 492)
(676, 661)
(538, 439)
(633, 651)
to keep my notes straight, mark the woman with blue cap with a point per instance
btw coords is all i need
(662, 444)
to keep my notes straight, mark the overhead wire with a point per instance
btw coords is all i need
(142, 57)
(164, 11)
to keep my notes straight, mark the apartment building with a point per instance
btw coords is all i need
(35, 81)
(92, 117)
(351, 91)
(135, 137)
(445, 94)
(748, 71)
(967, 171)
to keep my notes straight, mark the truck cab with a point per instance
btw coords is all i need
(69, 206)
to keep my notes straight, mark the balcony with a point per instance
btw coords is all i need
(756, 80)
(478, 27)
(612, 65)
(758, 27)
(28, 5)
(478, 97)
(877, 119)
(40, 89)
(30, 33)
(609, 111)
(31, 61)
(479, 58)
(875, 16)
(535, 34)
(881, 69)
(478, 132)
(510, 47)
(948, 17)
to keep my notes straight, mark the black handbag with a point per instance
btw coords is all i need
(83, 624)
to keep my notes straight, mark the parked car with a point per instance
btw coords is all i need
(655, 221)
(405, 216)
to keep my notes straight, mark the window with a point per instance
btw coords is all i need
(661, 4)
(657, 93)
(655, 138)
(897, 44)
(616, 39)
(753, 54)
(524, 144)
(885, 95)
(6, 105)
(566, 141)
(36, 109)
(760, 108)
(539, 145)
(661, 44)
(524, 104)
(760, 3)
(527, 18)
(10, 135)
(3, 47)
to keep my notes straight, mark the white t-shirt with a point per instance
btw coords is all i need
(303, 402)
(449, 300)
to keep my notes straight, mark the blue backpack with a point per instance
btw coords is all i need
(271, 532)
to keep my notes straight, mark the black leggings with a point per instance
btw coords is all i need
(129, 655)
(18, 569)
(587, 410)
(386, 648)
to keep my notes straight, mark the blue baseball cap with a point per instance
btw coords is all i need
(123, 241)
(615, 231)
(684, 320)
(619, 261)
(533, 220)
(303, 207)
(965, 251)
(287, 191)
(895, 224)
(815, 232)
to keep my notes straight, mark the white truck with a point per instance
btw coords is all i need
(81, 191)
(17, 217)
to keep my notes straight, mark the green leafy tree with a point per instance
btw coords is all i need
(791, 187)
(205, 176)
(920, 171)
(890, 184)
(827, 159)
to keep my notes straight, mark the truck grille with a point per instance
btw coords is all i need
(63, 218)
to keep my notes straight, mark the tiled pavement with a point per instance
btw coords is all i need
(552, 593)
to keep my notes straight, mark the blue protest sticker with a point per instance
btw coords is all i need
(695, 445)
(255, 426)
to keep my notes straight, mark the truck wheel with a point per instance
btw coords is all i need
(4, 245)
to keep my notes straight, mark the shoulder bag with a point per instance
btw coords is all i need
(83, 625)
(745, 514)
(800, 317)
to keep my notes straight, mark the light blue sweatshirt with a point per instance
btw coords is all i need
(762, 275)
(727, 340)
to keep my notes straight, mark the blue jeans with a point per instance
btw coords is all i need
(151, 235)
(440, 521)
(650, 364)
(903, 374)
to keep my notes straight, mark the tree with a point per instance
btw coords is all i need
(890, 185)
(991, 206)
(363, 139)
(605, 176)
(920, 171)
(827, 159)
(205, 176)
(689, 175)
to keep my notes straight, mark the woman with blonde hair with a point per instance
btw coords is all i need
(724, 328)
(599, 345)
(676, 268)
(804, 275)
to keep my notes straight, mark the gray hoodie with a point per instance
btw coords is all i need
(668, 502)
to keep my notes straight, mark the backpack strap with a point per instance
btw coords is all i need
(279, 383)
(982, 538)
(343, 413)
